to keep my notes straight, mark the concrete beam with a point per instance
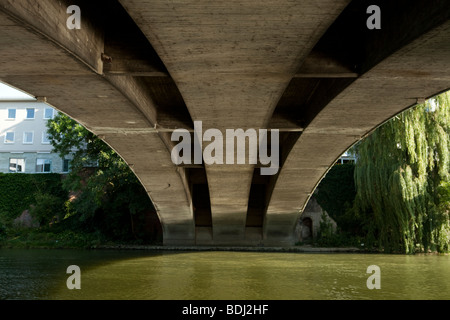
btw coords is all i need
(321, 65)
(231, 62)
(229, 65)
(390, 87)
(39, 55)
(48, 20)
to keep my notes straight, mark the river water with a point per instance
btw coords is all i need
(220, 275)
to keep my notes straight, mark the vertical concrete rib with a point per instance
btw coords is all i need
(417, 70)
(41, 56)
(232, 61)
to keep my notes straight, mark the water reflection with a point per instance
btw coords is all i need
(41, 274)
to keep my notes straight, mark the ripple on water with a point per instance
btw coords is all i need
(222, 276)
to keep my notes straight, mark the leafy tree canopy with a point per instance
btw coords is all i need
(402, 179)
(109, 196)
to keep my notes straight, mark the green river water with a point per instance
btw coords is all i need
(219, 275)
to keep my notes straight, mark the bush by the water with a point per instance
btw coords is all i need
(20, 191)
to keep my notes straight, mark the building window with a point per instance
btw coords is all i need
(9, 137)
(28, 137)
(48, 113)
(66, 165)
(43, 166)
(11, 114)
(16, 165)
(30, 113)
(45, 138)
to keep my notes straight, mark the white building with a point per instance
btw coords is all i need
(346, 157)
(24, 143)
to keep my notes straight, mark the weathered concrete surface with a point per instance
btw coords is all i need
(40, 55)
(308, 225)
(138, 69)
(232, 61)
(417, 71)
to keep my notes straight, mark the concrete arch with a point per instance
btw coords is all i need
(139, 69)
(69, 69)
(232, 61)
(407, 77)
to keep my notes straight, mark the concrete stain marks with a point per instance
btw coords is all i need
(232, 62)
(382, 92)
(228, 64)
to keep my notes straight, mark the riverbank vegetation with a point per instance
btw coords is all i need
(99, 202)
(399, 198)
(395, 198)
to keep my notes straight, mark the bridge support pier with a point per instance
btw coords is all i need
(178, 235)
(279, 230)
(274, 234)
(280, 239)
(228, 234)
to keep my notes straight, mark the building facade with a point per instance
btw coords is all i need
(347, 157)
(24, 143)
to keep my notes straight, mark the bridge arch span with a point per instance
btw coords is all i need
(131, 104)
(408, 76)
(139, 69)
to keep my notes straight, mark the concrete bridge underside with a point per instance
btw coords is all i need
(138, 69)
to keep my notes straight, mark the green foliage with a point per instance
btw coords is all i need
(401, 179)
(3, 231)
(47, 207)
(19, 191)
(109, 204)
(336, 193)
(327, 236)
(109, 195)
(399, 200)
(49, 238)
(325, 228)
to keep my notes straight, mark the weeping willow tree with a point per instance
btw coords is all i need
(402, 180)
